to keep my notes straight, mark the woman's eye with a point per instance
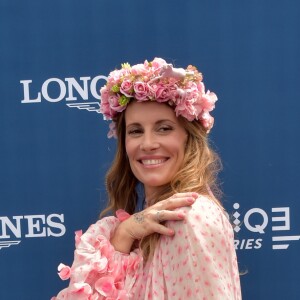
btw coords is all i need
(134, 131)
(164, 128)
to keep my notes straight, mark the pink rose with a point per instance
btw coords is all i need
(194, 98)
(141, 90)
(116, 75)
(206, 120)
(188, 105)
(178, 95)
(185, 108)
(161, 93)
(139, 69)
(126, 88)
(105, 109)
(201, 87)
(157, 63)
(104, 93)
(105, 286)
(198, 109)
(208, 101)
(104, 104)
(64, 272)
(114, 104)
(192, 86)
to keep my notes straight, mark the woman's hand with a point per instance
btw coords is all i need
(149, 220)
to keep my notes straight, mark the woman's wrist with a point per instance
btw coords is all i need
(122, 241)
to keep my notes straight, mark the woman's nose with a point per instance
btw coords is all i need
(149, 142)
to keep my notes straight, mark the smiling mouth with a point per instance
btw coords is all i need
(150, 162)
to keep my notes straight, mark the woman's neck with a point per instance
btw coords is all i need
(151, 194)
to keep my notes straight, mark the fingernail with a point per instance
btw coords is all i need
(171, 232)
(191, 200)
(181, 215)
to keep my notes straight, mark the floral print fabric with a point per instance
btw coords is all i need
(198, 262)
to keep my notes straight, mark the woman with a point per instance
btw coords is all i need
(173, 240)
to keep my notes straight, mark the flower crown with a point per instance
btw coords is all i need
(161, 82)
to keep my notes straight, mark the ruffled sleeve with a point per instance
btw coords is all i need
(98, 271)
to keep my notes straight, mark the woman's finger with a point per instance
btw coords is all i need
(161, 229)
(177, 201)
(168, 215)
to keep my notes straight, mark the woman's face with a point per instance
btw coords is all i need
(155, 143)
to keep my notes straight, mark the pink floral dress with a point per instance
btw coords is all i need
(198, 262)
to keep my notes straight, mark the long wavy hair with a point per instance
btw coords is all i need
(198, 173)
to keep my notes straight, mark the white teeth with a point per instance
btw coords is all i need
(152, 161)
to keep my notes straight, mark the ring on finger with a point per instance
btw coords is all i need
(158, 216)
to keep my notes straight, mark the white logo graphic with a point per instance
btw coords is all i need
(69, 90)
(13, 229)
(256, 220)
(89, 106)
(8, 244)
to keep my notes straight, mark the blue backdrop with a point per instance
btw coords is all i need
(54, 151)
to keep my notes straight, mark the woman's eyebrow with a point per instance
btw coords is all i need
(164, 120)
(133, 124)
(158, 122)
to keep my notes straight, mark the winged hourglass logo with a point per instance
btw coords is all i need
(89, 106)
(8, 244)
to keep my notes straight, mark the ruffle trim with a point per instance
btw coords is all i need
(99, 271)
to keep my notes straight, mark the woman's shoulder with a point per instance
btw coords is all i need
(208, 203)
(209, 214)
(210, 208)
(206, 212)
(204, 204)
